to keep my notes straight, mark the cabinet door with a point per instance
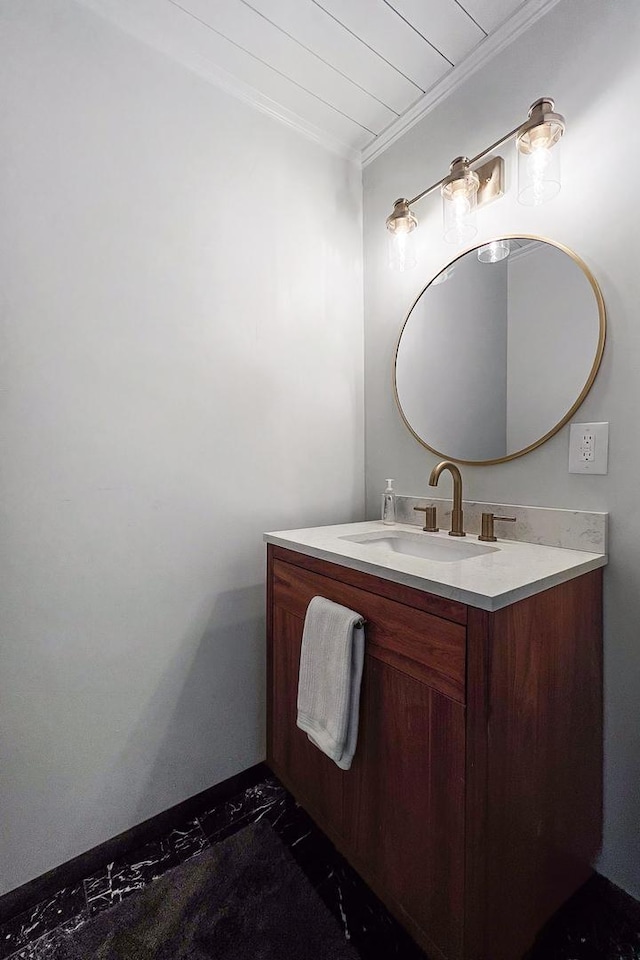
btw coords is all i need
(404, 806)
(398, 813)
(313, 779)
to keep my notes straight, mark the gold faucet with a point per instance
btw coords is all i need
(457, 529)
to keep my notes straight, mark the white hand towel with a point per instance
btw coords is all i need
(331, 662)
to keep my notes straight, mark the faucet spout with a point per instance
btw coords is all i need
(457, 527)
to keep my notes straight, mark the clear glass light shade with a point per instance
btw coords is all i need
(402, 250)
(401, 227)
(539, 177)
(459, 205)
(494, 252)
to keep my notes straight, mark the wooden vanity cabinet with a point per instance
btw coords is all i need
(473, 804)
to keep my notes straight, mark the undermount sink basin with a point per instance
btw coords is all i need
(422, 545)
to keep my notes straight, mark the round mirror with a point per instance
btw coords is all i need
(499, 350)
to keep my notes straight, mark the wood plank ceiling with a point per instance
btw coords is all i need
(348, 70)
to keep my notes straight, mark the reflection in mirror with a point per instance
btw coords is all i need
(499, 350)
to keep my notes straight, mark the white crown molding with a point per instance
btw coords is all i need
(128, 16)
(249, 95)
(521, 20)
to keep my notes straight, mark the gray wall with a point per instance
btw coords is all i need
(554, 324)
(583, 53)
(181, 352)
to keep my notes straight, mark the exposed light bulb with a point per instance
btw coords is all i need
(539, 175)
(541, 138)
(538, 144)
(461, 205)
(401, 226)
(461, 210)
(537, 164)
(459, 200)
(402, 250)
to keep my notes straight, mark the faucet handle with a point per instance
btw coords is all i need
(487, 526)
(430, 519)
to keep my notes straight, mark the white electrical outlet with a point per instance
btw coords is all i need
(589, 448)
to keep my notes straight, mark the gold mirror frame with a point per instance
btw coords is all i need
(585, 390)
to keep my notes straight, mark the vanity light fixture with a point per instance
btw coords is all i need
(459, 202)
(468, 185)
(538, 162)
(400, 226)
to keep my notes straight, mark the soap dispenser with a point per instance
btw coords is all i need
(389, 504)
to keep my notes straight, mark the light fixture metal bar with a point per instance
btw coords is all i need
(494, 146)
(425, 193)
(479, 156)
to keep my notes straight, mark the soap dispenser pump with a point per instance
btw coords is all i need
(389, 504)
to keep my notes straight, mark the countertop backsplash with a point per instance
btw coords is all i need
(571, 529)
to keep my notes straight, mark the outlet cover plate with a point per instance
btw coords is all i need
(589, 448)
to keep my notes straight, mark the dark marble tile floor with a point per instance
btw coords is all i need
(599, 923)
(148, 863)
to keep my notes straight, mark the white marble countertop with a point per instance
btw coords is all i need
(511, 572)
